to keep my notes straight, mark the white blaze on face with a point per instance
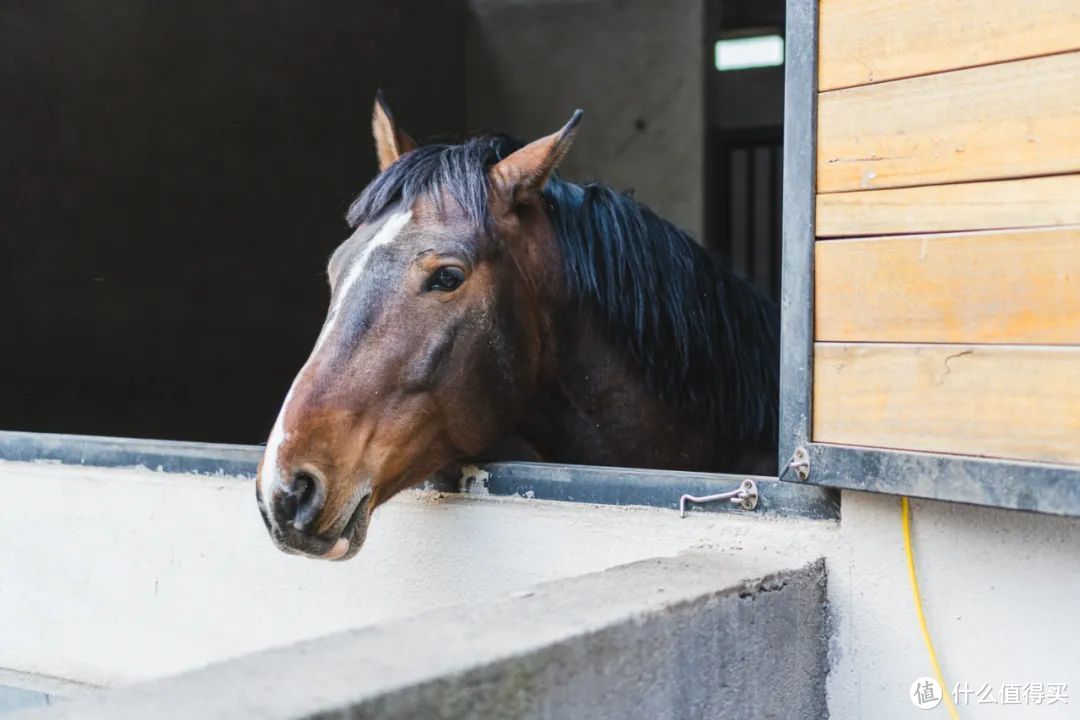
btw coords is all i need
(271, 472)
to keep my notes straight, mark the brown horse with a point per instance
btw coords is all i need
(483, 301)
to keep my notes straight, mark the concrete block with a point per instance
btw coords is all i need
(183, 562)
(699, 635)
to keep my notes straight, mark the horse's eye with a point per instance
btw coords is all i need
(445, 279)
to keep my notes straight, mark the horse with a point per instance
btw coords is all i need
(482, 301)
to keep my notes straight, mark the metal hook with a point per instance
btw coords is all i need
(746, 497)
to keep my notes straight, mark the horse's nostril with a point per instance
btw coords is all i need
(298, 503)
(303, 487)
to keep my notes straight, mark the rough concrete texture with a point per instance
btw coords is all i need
(115, 576)
(999, 591)
(94, 590)
(635, 66)
(684, 637)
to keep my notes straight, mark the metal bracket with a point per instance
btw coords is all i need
(800, 463)
(746, 497)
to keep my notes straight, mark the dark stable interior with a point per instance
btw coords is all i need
(173, 177)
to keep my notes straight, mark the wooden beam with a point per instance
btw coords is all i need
(869, 42)
(997, 401)
(1028, 202)
(1013, 286)
(999, 121)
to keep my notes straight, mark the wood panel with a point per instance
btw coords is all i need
(997, 401)
(999, 121)
(1014, 286)
(1027, 202)
(866, 42)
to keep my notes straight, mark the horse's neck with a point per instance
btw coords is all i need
(593, 407)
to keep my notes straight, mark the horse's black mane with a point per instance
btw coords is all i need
(705, 340)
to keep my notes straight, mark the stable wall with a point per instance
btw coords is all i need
(635, 66)
(112, 576)
(999, 591)
(124, 563)
(173, 179)
(662, 639)
(948, 165)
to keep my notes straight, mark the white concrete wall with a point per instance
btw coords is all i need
(634, 66)
(109, 576)
(1001, 591)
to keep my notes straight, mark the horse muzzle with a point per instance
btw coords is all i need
(291, 508)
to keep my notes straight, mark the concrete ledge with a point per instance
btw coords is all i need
(682, 637)
(16, 698)
(26, 690)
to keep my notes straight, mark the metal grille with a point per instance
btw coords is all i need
(745, 212)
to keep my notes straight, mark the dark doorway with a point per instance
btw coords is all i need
(173, 176)
(744, 124)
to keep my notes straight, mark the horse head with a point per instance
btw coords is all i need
(432, 342)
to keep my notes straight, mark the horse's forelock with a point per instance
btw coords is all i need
(436, 171)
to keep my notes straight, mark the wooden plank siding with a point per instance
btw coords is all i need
(995, 401)
(865, 42)
(1025, 202)
(947, 218)
(1014, 286)
(997, 121)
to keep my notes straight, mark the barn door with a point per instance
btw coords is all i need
(931, 271)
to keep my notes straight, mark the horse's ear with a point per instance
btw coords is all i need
(391, 142)
(527, 169)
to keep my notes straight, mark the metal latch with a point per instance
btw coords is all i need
(800, 463)
(746, 497)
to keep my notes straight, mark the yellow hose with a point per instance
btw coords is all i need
(905, 517)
